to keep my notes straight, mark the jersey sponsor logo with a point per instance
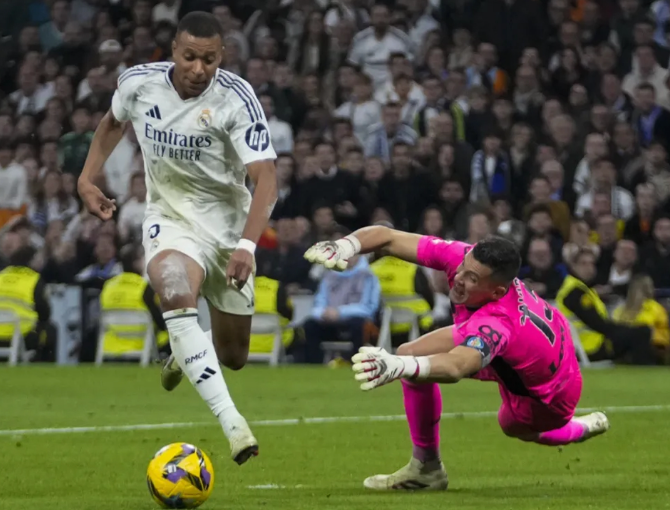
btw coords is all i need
(175, 139)
(195, 357)
(172, 145)
(154, 113)
(257, 137)
(205, 119)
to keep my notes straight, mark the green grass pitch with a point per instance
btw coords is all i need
(315, 466)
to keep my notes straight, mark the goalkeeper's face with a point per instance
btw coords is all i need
(473, 285)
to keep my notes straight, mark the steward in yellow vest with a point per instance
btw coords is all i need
(271, 298)
(130, 291)
(22, 291)
(405, 285)
(599, 335)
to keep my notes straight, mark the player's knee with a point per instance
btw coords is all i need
(173, 284)
(230, 356)
(233, 361)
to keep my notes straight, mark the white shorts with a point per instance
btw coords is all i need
(160, 233)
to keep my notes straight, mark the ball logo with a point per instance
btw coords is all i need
(258, 137)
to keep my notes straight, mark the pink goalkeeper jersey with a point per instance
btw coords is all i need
(525, 343)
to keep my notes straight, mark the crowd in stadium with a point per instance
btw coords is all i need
(546, 121)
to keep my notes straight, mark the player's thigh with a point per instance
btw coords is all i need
(525, 417)
(175, 264)
(230, 308)
(230, 335)
(436, 342)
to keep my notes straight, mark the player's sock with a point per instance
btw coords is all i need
(423, 407)
(194, 352)
(572, 432)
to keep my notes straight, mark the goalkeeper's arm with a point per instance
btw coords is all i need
(381, 240)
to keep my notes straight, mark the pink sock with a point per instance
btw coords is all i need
(572, 432)
(423, 407)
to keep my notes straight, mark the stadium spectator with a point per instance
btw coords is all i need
(542, 275)
(655, 257)
(640, 309)
(132, 211)
(285, 263)
(601, 338)
(380, 138)
(638, 227)
(22, 291)
(344, 308)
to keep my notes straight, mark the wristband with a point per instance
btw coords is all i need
(246, 245)
(350, 246)
(416, 367)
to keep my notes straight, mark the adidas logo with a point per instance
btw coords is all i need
(206, 374)
(154, 113)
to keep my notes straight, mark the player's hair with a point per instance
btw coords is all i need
(501, 256)
(200, 24)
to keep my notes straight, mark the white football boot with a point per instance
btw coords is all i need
(414, 476)
(171, 375)
(243, 444)
(596, 424)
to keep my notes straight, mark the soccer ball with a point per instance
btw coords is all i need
(180, 476)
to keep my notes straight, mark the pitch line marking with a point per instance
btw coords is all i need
(298, 421)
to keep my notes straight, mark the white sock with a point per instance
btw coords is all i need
(194, 352)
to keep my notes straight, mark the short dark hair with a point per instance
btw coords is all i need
(129, 255)
(501, 256)
(539, 209)
(200, 24)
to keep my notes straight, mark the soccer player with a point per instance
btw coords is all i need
(503, 332)
(201, 130)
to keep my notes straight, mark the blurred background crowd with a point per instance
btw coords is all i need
(545, 121)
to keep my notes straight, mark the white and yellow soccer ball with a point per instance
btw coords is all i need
(180, 476)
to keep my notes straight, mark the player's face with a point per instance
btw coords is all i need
(473, 286)
(196, 61)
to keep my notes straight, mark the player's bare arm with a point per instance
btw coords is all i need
(376, 239)
(106, 138)
(264, 176)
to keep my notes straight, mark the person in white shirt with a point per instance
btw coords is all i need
(372, 47)
(603, 179)
(648, 71)
(399, 65)
(345, 11)
(31, 98)
(281, 132)
(595, 147)
(133, 209)
(363, 111)
(13, 182)
(201, 131)
(421, 22)
(167, 10)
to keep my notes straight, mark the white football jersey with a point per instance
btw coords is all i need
(195, 150)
